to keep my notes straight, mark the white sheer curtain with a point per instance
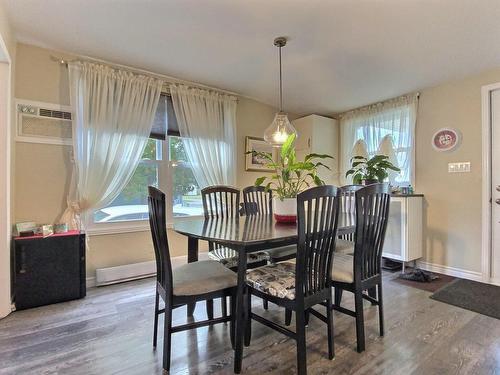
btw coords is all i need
(112, 119)
(207, 122)
(394, 117)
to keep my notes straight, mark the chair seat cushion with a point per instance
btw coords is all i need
(277, 279)
(281, 252)
(229, 258)
(343, 268)
(344, 246)
(202, 277)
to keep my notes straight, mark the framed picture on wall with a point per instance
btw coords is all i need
(254, 162)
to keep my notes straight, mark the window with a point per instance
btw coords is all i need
(164, 165)
(185, 192)
(402, 148)
(132, 203)
(396, 118)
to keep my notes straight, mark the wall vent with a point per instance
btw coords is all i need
(54, 114)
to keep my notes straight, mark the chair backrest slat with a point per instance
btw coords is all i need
(372, 215)
(221, 202)
(257, 201)
(347, 204)
(317, 217)
(158, 225)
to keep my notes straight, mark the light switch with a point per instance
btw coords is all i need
(460, 167)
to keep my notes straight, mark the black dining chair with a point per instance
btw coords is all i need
(298, 286)
(258, 201)
(362, 271)
(189, 283)
(347, 204)
(223, 202)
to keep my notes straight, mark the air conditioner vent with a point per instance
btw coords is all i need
(55, 114)
(43, 123)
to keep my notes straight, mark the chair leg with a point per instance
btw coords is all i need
(288, 317)
(360, 324)
(338, 296)
(380, 309)
(300, 325)
(248, 316)
(167, 337)
(329, 319)
(223, 306)
(210, 309)
(265, 304)
(232, 322)
(306, 317)
(155, 329)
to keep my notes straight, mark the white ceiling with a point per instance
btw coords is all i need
(341, 53)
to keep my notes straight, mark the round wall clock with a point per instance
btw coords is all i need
(446, 139)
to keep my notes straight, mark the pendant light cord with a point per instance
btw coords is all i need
(281, 84)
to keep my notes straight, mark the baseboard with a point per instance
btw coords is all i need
(177, 261)
(90, 282)
(495, 282)
(450, 271)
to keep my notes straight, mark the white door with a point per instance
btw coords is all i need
(495, 187)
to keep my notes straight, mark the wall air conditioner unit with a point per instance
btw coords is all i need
(43, 123)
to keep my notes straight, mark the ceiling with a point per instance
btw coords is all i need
(341, 54)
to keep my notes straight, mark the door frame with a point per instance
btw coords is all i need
(487, 233)
(6, 71)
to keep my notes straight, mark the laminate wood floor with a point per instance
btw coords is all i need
(110, 332)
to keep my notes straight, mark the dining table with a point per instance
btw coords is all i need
(245, 234)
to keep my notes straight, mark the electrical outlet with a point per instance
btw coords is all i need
(460, 167)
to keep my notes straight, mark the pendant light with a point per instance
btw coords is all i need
(277, 133)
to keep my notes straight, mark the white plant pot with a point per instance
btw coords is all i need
(285, 211)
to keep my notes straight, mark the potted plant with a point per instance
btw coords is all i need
(291, 177)
(370, 171)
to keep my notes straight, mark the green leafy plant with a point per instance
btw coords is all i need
(373, 169)
(291, 176)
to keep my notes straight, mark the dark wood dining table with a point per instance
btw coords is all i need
(244, 235)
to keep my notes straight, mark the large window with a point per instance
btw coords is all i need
(396, 118)
(132, 203)
(164, 164)
(186, 195)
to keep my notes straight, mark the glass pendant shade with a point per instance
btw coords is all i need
(279, 130)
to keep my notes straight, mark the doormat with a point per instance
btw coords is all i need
(471, 295)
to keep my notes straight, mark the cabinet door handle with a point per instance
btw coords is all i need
(497, 201)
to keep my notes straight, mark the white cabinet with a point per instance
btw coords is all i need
(403, 238)
(320, 135)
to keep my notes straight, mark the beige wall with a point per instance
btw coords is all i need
(42, 179)
(453, 200)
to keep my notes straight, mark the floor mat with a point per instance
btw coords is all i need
(471, 295)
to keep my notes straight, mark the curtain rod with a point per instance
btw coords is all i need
(377, 104)
(167, 79)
